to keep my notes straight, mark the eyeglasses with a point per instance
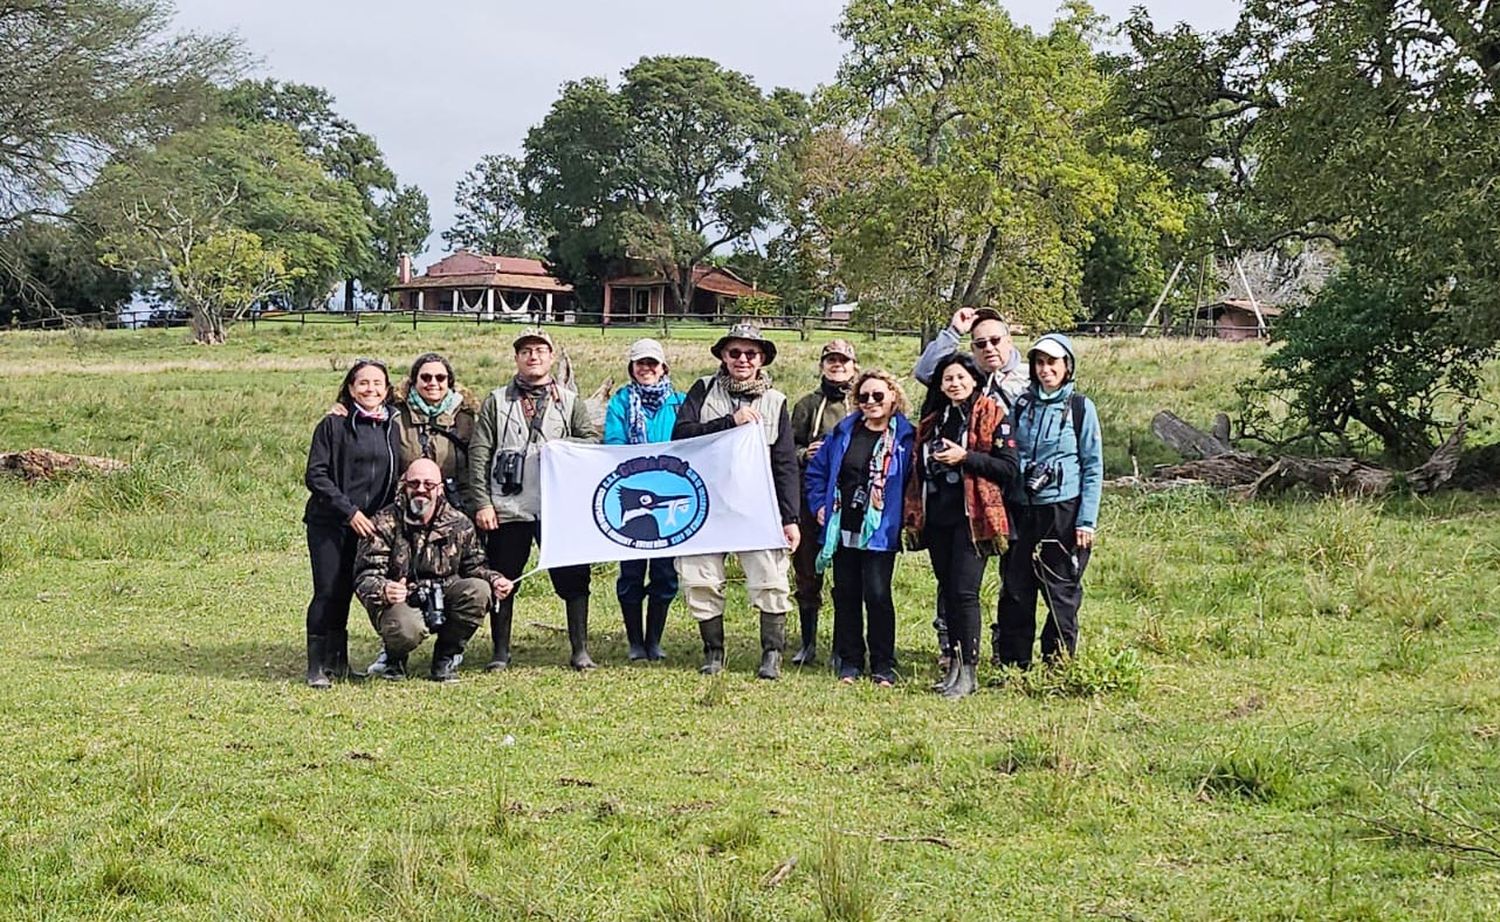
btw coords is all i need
(749, 354)
(986, 343)
(427, 378)
(534, 350)
(648, 363)
(833, 358)
(872, 397)
(423, 485)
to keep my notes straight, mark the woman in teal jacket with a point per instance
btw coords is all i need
(1055, 509)
(855, 489)
(644, 411)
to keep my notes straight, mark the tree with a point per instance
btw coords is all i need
(215, 272)
(79, 81)
(681, 160)
(347, 155)
(1369, 124)
(152, 207)
(488, 214)
(60, 273)
(982, 160)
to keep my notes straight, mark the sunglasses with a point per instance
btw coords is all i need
(986, 343)
(872, 397)
(423, 485)
(376, 362)
(742, 353)
(429, 378)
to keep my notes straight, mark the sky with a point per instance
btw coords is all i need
(441, 84)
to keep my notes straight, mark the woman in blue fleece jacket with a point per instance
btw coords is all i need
(1055, 510)
(645, 410)
(855, 489)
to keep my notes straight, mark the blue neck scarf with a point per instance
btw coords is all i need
(423, 408)
(643, 402)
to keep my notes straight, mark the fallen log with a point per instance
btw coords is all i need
(1189, 441)
(1252, 476)
(45, 464)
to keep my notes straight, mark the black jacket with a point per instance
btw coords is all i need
(784, 469)
(351, 467)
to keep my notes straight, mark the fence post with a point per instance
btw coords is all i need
(414, 320)
(356, 318)
(303, 317)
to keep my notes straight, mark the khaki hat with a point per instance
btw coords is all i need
(746, 331)
(534, 333)
(647, 349)
(838, 347)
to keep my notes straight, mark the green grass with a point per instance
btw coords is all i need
(1281, 710)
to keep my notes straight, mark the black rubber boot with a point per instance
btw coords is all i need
(966, 684)
(656, 624)
(338, 655)
(578, 633)
(634, 634)
(500, 617)
(949, 677)
(712, 632)
(317, 662)
(808, 655)
(772, 643)
(447, 654)
(395, 668)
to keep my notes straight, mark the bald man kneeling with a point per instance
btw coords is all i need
(423, 572)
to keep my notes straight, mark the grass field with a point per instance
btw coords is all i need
(1283, 710)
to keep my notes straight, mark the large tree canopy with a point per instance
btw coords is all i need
(248, 193)
(79, 81)
(397, 215)
(1374, 124)
(681, 160)
(488, 214)
(981, 160)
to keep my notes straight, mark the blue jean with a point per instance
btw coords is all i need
(631, 587)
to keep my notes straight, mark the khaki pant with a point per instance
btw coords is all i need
(701, 579)
(464, 603)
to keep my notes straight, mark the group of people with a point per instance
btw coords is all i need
(425, 506)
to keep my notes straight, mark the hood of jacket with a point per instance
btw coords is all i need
(1067, 347)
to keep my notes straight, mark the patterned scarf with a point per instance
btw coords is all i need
(744, 390)
(378, 414)
(422, 408)
(643, 402)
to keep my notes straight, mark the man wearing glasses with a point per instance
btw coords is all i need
(505, 481)
(423, 572)
(740, 394)
(1007, 376)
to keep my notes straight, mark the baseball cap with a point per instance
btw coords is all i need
(647, 349)
(839, 347)
(534, 334)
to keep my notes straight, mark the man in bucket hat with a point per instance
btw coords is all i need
(813, 417)
(740, 394)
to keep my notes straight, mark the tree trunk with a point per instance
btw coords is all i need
(981, 268)
(1187, 440)
(348, 295)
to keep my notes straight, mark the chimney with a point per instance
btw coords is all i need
(403, 268)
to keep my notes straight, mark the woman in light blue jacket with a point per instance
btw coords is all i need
(1055, 509)
(644, 411)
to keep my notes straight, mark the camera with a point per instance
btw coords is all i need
(428, 596)
(509, 468)
(860, 500)
(937, 471)
(1038, 477)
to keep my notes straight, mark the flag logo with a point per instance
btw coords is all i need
(651, 503)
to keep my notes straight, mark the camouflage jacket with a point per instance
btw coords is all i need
(443, 550)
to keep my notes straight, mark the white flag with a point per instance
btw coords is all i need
(665, 499)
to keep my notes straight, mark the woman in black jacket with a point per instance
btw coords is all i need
(351, 473)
